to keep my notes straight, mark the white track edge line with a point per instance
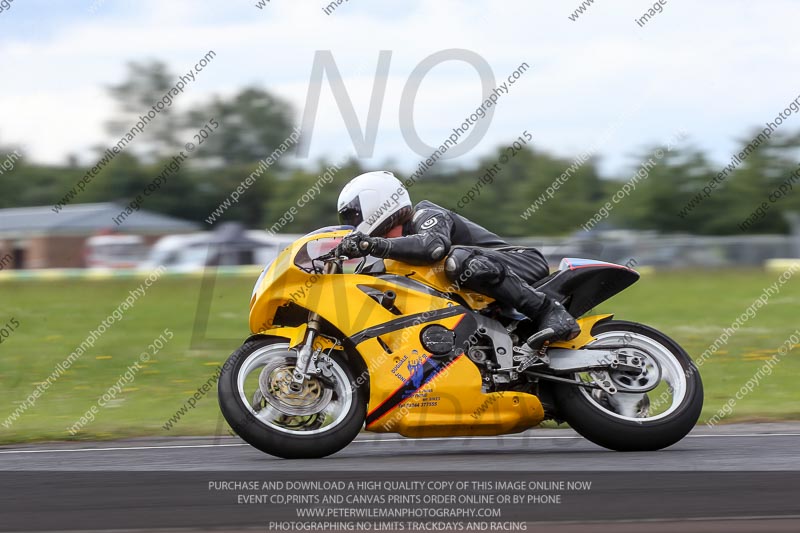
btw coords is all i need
(433, 439)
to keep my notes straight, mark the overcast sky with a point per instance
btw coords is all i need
(714, 69)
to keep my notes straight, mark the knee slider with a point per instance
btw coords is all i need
(485, 272)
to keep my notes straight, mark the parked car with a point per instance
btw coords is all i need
(231, 245)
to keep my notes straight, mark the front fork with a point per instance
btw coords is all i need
(306, 351)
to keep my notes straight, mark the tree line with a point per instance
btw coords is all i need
(682, 193)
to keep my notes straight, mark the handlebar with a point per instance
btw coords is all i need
(332, 262)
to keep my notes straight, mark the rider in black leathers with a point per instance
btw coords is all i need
(387, 226)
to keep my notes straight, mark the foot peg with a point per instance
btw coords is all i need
(537, 340)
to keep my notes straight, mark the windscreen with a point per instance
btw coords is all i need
(319, 247)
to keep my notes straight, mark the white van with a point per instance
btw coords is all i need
(115, 251)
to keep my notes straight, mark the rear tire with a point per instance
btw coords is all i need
(287, 442)
(600, 425)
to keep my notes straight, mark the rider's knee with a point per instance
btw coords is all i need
(473, 270)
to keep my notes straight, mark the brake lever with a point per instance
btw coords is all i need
(326, 257)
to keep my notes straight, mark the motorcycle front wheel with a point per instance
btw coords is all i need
(256, 398)
(660, 405)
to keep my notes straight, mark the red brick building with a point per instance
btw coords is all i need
(38, 237)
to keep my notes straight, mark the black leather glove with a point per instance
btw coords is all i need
(358, 244)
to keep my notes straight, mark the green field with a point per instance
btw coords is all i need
(54, 317)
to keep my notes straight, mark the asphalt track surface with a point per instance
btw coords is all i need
(729, 491)
(755, 447)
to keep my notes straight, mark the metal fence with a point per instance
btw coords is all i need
(669, 251)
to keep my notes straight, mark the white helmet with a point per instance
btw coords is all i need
(374, 203)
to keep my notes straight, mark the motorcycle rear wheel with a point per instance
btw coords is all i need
(636, 421)
(316, 422)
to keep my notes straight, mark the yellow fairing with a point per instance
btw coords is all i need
(411, 392)
(434, 276)
(452, 403)
(337, 298)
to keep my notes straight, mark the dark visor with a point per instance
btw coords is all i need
(350, 215)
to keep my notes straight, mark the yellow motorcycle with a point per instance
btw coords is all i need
(339, 347)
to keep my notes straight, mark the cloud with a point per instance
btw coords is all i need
(714, 68)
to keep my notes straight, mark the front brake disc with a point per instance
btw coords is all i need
(275, 383)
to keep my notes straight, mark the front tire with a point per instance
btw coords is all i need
(321, 420)
(643, 421)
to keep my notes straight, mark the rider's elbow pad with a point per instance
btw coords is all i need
(438, 253)
(436, 247)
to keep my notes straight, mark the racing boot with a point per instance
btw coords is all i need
(555, 324)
